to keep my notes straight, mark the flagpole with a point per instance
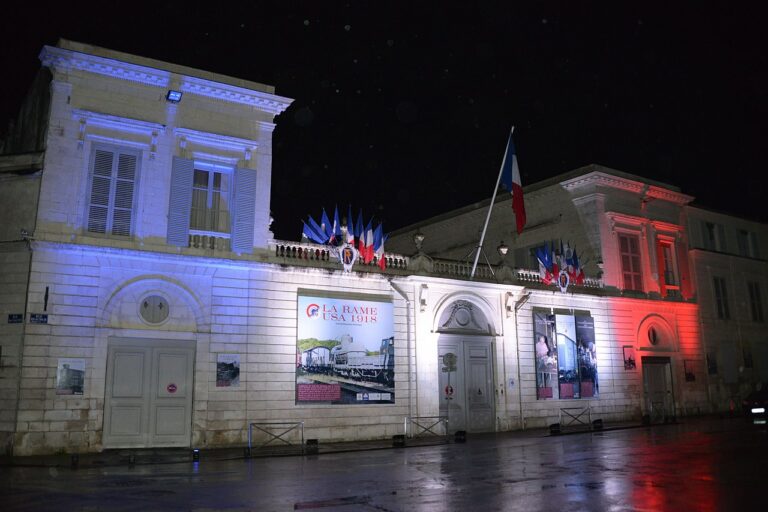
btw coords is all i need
(490, 207)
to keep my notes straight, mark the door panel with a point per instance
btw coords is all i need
(452, 405)
(479, 386)
(471, 405)
(148, 394)
(657, 381)
(125, 406)
(171, 410)
(128, 367)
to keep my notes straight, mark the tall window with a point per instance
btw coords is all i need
(210, 199)
(714, 236)
(111, 197)
(668, 275)
(721, 298)
(747, 242)
(629, 249)
(755, 301)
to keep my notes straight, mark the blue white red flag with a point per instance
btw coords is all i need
(312, 234)
(336, 230)
(378, 247)
(368, 247)
(350, 227)
(510, 177)
(325, 225)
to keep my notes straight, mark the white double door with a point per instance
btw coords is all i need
(466, 390)
(148, 394)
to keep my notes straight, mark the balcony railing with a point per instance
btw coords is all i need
(306, 253)
(315, 255)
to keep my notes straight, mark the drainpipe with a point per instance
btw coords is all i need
(519, 304)
(411, 357)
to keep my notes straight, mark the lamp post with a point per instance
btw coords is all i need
(418, 239)
(502, 249)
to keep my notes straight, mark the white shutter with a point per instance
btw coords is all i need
(113, 181)
(101, 186)
(180, 203)
(245, 210)
(122, 212)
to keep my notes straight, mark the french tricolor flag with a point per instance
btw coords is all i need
(510, 177)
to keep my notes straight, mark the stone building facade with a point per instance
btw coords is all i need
(147, 304)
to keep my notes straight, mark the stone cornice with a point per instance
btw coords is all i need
(602, 179)
(64, 60)
(118, 123)
(262, 101)
(214, 140)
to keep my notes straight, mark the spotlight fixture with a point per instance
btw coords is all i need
(173, 96)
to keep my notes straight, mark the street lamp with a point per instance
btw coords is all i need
(418, 239)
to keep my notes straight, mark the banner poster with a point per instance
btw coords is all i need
(586, 350)
(566, 356)
(546, 355)
(345, 349)
(228, 370)
(70, 376)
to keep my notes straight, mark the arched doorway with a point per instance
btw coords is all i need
(465, 363)
(151, 348)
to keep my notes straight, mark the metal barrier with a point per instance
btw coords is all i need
(426, 426)
(275, 430)
(575, 416)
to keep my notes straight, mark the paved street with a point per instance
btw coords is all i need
(696, 465)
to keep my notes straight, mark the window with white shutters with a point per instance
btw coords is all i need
(629, 251)
(209, 199)
(112, 185)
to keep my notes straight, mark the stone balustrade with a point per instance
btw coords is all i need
(306, 254)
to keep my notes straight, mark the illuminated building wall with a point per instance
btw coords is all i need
(152, 256)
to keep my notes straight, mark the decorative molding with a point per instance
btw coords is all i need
(65, 60)
(265, 126)
(124, 124)
(217, 141)
(666, 227)
(263, 101)
(627, 220)
(597, 178)
(116, 141)
(423, 297)
(668, 195)
(230, 161)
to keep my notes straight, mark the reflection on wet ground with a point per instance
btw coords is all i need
(694, 465)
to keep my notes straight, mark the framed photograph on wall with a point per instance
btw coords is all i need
(630, 360)
(227, 370)
(70, 376)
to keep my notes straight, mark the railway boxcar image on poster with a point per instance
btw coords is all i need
(345, 348)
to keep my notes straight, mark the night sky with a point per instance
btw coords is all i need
(403, 110)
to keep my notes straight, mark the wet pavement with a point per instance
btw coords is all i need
(697, 464)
